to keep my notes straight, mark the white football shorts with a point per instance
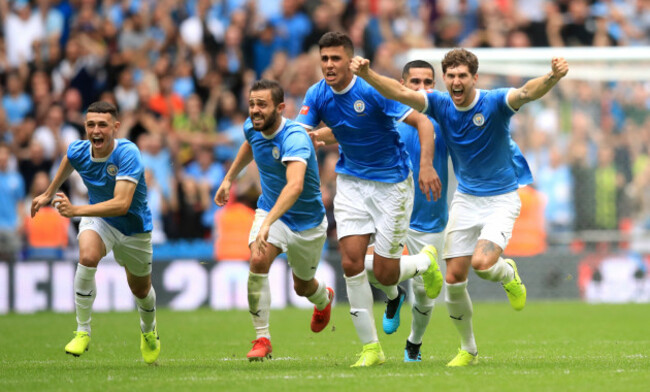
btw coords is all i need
(473, 218)
(303, 248)
(377, 208)
(131, 251)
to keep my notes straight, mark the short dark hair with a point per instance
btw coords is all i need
(416, 64)
(459, 56)
(103, 107)
(334, 38)
(277, 93)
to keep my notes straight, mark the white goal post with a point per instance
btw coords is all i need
(586, 63)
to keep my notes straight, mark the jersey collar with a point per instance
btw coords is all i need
(281, 127)
(346, 89)
(471, 105)
(92, 158)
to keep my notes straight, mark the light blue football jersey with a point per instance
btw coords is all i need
(100, 174)
(364, 124)
(486, 160)
(428, 216)
(289, 143)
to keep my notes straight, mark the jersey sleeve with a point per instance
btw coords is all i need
(501, 96)
(130, 165)
(433, 101)
(394, 109)
(308, 116)
(75, 151)
(297, 146)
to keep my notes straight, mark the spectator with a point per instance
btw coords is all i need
(25, 29)
(11, 211)
(291, 28)
(16, 102)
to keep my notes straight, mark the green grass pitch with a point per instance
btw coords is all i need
(549, 346)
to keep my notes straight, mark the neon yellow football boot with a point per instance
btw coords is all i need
(371, 355)
(515, 289)
(463, 358)
(79, 344)
(150, 345)
(432, 277)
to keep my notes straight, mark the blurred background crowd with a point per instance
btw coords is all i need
(179, 72)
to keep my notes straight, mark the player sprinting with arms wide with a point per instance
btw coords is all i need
(475, 125)
(290, 215)
(428, 220)
(374, 186)
(116, 219)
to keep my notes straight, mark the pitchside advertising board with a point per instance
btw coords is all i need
(32, 286)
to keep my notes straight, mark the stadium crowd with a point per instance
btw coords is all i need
(179, 72)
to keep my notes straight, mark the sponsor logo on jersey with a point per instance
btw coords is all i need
(304, 110)
(478, 120)
(275, 152)
(359, 106)
(111, 170)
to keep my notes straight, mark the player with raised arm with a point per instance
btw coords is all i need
(374, 196)
(116, 219)
(290, 215)
(427, 225)
(475, 125)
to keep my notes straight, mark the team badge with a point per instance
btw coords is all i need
(359, 106)
(275, 152)
(111, 170)
(478, 120)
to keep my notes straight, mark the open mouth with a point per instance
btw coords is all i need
(457, 93)
(329, 76)
(97, 141)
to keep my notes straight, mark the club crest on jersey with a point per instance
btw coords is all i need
(359, 106)
(478, 120)
(276, 153)
(111, 170)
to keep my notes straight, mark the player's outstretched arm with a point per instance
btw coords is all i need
(428, 180)
(243, 158)
(295, 181)
(117, 206)
(62, 174)
(389, 88)
(538, 87)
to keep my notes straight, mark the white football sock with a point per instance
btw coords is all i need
(360, 298)
(85, 291)
(412, 266)
(499, 272)
(459, 306)
(259, 303)
(321, 297)
(147, 310)
(421, 311)
(390, 291)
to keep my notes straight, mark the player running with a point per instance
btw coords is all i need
(116, 219)
(290, 215)
(374, 196)
(475, 126)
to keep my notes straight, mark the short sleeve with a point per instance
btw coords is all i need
(394, 109)
(308, 115)
(130, 165)
(297, 146)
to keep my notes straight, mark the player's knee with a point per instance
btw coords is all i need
(89, 258)
(351, 268)
(481, 262)
(455, 276)
(259, 264)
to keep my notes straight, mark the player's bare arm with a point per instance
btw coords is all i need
(62, 174)
(538, 87)
(295, 181)
(429, 181)
(389, 88)
(117, 206)
(243, 158)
